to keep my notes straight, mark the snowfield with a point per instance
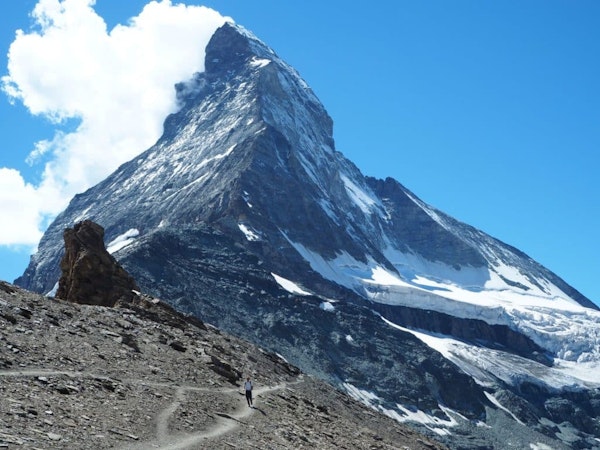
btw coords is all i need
(122, 240)
(549, 317)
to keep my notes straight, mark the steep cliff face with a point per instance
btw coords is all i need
(244, 214)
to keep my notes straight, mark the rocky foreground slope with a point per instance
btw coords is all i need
(143, 376)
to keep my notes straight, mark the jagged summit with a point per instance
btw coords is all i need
(245, 214)
(227, 50)
(230, 48)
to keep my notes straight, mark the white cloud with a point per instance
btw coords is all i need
(118, 84)
(22, 226)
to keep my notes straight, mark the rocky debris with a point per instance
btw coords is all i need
(90, 275)
(6, 288)
(91, 377)
(224, 369)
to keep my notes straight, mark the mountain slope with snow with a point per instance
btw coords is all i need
(246, 206)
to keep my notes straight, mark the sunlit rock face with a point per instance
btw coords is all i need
(246, 215)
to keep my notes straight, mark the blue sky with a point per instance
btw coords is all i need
(489, 111)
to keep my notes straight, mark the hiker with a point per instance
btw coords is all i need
(248, 387)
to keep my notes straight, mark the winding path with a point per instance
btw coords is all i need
(164, 439)
(226, 421)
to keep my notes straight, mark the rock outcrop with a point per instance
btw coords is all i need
(90, 275)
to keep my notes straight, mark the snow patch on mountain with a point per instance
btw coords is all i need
(327, 306)
(329, 270)
(250, 234)
(327, 207)
(123, 240)
(541, 446)
(84, 214)
(289, 286)
(364, 200)
(246, 198)
(259, 62)
(347, 271)
(384, 277)
(52, 291)
(435, 424)
(217, 157)
(495, 401)
(429, 274)
(403, 414)
(485, 364)
(310, 171)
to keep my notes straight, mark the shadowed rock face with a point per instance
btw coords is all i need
(90, 275)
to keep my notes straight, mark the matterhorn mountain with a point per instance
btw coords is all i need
(245, 215)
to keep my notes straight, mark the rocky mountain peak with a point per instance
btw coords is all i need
(90, 275)
(228, 49)
(245, 215)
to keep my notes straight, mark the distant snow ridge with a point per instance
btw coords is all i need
(556, 323)
(485, 365)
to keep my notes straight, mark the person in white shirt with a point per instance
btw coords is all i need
(248, 387)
